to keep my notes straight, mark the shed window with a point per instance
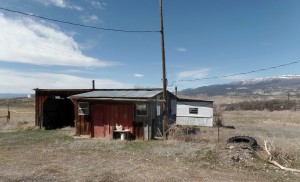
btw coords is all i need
(141, 110)
(83, 108)
(193, 110)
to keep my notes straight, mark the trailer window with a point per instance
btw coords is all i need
(193, 110)
(83, 108)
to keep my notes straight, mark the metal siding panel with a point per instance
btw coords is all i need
(194, 121)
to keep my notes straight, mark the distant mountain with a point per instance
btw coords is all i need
(262, 86)
(12, 95)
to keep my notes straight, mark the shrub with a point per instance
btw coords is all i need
(271, 105)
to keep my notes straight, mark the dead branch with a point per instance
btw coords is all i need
(276, 163)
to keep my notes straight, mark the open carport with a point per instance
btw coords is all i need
(54, 109)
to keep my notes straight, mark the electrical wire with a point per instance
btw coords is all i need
(235, 74)
(77, 24)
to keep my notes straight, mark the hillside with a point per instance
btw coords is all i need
(261, 87)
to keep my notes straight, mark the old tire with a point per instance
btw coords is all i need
(243, 139)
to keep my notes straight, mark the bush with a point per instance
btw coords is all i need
(218, 115)
(182, 133)
(271, 105)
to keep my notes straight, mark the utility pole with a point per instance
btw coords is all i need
(164, 79)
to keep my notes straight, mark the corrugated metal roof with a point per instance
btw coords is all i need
(119, 94)
(192, 100)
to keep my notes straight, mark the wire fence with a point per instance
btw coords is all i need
(16, 113)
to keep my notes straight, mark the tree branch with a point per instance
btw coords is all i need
(276, 163)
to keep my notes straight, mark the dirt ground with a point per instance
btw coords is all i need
(30, 154)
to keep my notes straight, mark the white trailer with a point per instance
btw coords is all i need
(192, 112)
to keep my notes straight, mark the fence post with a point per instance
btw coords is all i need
(8, 114)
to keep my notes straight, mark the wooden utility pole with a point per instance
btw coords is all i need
(164, 79)
(8, 113)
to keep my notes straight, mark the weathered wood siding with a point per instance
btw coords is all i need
(41, 95)
(106, 116)
(39, 109)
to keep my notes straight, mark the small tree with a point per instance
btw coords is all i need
(218, 115)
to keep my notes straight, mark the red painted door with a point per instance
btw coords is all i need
(106, 116)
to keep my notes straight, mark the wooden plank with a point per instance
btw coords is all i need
(101, 121)
(130, 118)
(98, 121)
(106, 116)
(106, 121)
(111, 119)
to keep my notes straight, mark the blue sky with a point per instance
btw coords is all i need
(203, 38)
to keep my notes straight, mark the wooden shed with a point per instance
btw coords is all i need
(139, 112)
(96, 112)
(192, 112)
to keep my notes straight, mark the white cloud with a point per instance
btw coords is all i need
(27, 41)
(12, 81)
(194, 74)
(181, 49)
(89, 19)
(60, 4)
(138, 75)
(97, 4)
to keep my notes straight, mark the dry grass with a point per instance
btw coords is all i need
(21, 114)
(280, 126)
(40, 155)
(235, 99)
(53, 155)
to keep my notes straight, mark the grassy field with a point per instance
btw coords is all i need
(21, 112)
(30, 154)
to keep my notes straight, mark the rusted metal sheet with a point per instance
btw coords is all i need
(106, 116)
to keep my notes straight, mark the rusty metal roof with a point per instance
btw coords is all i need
(132, 94)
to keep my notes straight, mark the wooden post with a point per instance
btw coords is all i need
(218, 133)
(164, 79)
(8, 113)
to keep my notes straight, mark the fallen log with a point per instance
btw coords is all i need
(275, 163)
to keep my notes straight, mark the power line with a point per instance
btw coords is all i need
(81, 25)
(235, 74)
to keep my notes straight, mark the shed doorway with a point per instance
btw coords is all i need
(58, 113)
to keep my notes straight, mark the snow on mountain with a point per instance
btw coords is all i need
(260, 86)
